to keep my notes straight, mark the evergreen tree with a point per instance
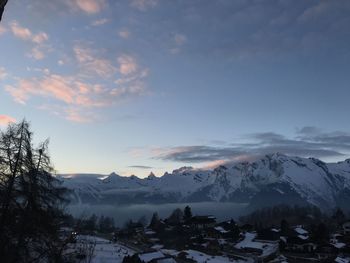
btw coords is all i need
(30, 198)
(187, 213)
(154, 221)
(284, 227)
(176, 217)
(339, 216)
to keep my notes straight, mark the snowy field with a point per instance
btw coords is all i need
(104, 251)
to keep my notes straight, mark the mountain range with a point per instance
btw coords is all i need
(273, 179)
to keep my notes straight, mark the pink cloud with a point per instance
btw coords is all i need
(20, 32)
(124, 34)
(91, 63)
(88, 6)
(5, 120)
(3, 30)
(40, 38)
(127, 64)
(36, 53)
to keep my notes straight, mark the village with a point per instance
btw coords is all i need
(183, 237)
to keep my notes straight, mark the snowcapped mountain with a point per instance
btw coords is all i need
(273, 179)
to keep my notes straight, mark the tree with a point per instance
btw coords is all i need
(176, 217)
(338, 216)
(106, 224)
(284, 227)
(320, 233)
(142, 220)
(187, 213)
(31, 198)
(132, 259)
(154, 221)
(2, 7)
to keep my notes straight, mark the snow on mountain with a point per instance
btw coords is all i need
(273, 179)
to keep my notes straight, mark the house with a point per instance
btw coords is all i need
(202, 222)
(346, 228)
(271, 234)
(156, 257)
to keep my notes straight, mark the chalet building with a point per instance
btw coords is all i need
(202, 222)
(270, 234)
(346, 228)
(156, 257)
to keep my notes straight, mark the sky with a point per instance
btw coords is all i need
(135, 86)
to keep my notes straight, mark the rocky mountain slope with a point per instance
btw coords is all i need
(274, 179)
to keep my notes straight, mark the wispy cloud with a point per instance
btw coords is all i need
(78, 97)
(26, 34)
(127, 65)
(92, 63)
(5, 120)
(309, 142)
(87, 6)
(3, 30)
(38, 40)
(140, 167)
(100, 22)
(124, 33)
(143, 5)
(179, 40)
(3, 73)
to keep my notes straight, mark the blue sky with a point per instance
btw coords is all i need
(150, 85)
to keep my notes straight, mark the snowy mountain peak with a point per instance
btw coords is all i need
(275, 178)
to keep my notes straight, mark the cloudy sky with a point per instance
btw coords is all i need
(135, 86)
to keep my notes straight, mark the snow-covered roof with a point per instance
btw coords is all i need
(303, 237)
(247, 242)
(147, 257)
(166, 260)
(221, 229)
(300, 230)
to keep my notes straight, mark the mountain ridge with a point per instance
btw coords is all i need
(273, 179)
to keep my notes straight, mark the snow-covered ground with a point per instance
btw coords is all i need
(204, 258)
(248, 242)
(104, 251)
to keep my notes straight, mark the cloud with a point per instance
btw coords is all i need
(141, 167)
(100, 22)
(26, 34)
(124, 34)
(39, 39)
(3, 30)
(180, 39)
(36, 53)
(5, 120)
(87, 6)
(313, 143)
(127, 64)
(3, 73)
(91, 63)
(315, 11)
(143, 5)
(77, 98)
(20, 32)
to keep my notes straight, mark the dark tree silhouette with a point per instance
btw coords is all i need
(30, 198)
(187, 213)
(2, 7)
(154, 221)
(176, 217)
